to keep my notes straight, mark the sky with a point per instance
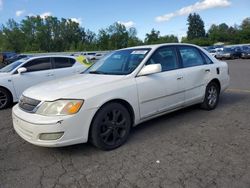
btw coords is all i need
(167, 16)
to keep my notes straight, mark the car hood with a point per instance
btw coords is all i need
(70, 87)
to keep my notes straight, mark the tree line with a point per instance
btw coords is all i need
(196, 34)
(50, 34)
(36, 34)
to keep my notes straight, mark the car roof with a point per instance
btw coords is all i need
(155, 46)
(49, 56)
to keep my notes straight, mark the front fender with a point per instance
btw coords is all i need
(8, 84)
(125, 91)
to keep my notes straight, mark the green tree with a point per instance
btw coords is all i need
(28, 27)
(118, 36)
(90, 41)
(103, 39)
(133, 40)
(70, 33)
(223, 33)
(245, 23)
(196, 27)
(52, 35)
(1, 41)
(244, 33)
(12, 36)
(152, 37)
(168, 39)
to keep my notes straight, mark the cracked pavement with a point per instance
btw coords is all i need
(188, 148)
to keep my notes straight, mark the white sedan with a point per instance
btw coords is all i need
(123, 89)
(24, 73)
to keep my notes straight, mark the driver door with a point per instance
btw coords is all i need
(38, 71)
(162, 91)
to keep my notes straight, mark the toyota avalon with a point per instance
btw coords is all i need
(125, 88)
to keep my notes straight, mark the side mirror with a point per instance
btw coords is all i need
(21, 70)
(150, 69)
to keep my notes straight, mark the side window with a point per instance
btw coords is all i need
(62, 62)
(165, 56)
(38, 65)
(190, 56)
(206, 58)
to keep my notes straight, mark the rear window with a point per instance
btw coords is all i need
(190, 56)
(206, 58)
(62, 62)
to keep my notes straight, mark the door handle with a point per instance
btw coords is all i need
(180, 78)
(207, 70)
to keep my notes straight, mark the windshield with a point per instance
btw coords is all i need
(120, 62)
(11, 66)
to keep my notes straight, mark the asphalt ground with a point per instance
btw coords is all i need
(188, 148)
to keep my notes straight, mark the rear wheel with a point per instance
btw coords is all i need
(211, 97)
(5, 98)
(110, 127)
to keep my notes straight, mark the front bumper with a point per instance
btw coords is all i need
(74, 128)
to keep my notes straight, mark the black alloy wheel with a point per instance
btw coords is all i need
(111, 126)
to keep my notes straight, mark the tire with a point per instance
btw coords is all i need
(5, 98)
(212, 96)
(110, 127)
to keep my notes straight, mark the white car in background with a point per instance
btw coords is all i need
(215, 52)
(24, 73)
(125, 88)
(89, 55)
(99, 56)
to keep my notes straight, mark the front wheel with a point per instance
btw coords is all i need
(211, 96)
(110, 127)
(5, 98)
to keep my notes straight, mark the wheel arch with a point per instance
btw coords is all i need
(123, 102)
(216, 80)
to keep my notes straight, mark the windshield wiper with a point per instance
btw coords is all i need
(97, 72)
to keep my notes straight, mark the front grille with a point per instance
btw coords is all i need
(28, 104)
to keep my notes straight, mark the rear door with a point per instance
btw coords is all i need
(38, 71)
(197, 72)
(162, 91)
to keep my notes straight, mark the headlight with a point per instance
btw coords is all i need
(60, 107)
